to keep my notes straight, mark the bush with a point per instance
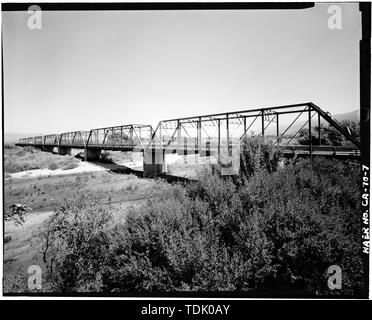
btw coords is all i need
(16, 282)
(53, 166)
(73, 244)
(7, 239)
(330, 135)
(276, 229)
(310, 215)
(183, 241)
(9, 145)
(106, 157)
(257, 154)
(16, 213)
(28, 158)
(29, 149)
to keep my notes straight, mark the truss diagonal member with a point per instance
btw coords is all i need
(277, 140)
(239, 117)
(250, 125)
(192, 123)
(154, 137)
(271, 120)
(185, 129)
(73, 137)
(213, 120)
(205, 131)
(307, 121)
(336, 125)
(140, 140)
(172, 137)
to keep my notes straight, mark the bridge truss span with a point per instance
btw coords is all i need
(296, 129)
(283, 125)
(131, 137)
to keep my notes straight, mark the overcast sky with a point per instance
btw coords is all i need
(85, 70)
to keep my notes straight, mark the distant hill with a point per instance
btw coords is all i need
(351, 116)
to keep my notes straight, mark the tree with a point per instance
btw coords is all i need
(73, 243)
(257, 154)
(17, 213)
(330, 135)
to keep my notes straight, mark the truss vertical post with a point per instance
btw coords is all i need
(319, 128)
(131, 134)
(310, 136)
(245, 125)
(185, 146)
(160, 136)
(277, 127)
(179, 137)
(199, 136)
(196, 151)
(263, 122)
(227, 131)
(121, 136)
(89, 136)
(229, 142)
(219, 139)
(105, 132)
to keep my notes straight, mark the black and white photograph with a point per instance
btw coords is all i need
(196, 150)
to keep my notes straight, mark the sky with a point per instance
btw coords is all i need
(90, 69)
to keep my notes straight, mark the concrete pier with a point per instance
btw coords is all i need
(153, 163)
(48, 149)
(92, 154)
(64, 151)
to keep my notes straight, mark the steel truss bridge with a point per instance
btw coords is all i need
(209, 135)
(132, 137)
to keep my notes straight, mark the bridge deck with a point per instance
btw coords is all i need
(132, 147)
(286, 150)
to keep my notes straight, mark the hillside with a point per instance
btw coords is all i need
(351, 116)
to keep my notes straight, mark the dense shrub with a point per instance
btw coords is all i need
(277, 228)
(16, 213)
(257, 154)
(330, 135)
(9, 145)
(106, 157)
(28, 158)
(73, 243)
(53, 166)
(7, 239)
(15, 282)
(176, 242)
(310, 215)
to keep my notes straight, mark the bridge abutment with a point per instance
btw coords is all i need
(153, 163)
(64, 151)
(92, 154)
